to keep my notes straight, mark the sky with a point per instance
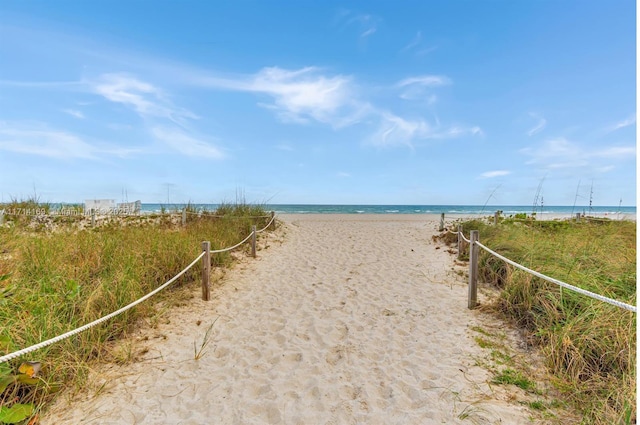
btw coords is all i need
(319, 102)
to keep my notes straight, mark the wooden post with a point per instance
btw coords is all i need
(473, 270)
(184, 216)
(495, 217)
(1, 217)
(441, 228)
(459, 240)
(273, 222)
(93, 217)
(577, 216)
(206, 270)
(253, 241)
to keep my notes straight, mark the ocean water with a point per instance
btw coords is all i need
(415, 209)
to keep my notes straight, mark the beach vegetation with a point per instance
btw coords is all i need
(588, 345)
(54, 281)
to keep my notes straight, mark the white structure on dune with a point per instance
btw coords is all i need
(129, 207)
(100, 206)
(109, 206)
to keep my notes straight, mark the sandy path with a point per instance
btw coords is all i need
(353, 319)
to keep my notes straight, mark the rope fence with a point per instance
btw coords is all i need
(474, 244)
(204, 255)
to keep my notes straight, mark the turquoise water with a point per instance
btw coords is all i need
(414, 209)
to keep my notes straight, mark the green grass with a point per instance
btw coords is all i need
(589, 346)
(513, 377)
(53, 282)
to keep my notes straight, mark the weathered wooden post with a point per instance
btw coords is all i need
(578, 217)
(473, 270)
(253, 241)
(184, 216)
(206, 269)
(273, 222)
(1, 217)
(93, 217)
(441, 228)
(459, 240)
(496, 216)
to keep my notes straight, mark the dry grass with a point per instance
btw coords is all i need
(590, 346)
(54, 281)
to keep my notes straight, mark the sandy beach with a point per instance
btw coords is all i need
(342, 319)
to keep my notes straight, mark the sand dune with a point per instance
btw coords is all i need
(341, 320)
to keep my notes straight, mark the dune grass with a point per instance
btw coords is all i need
(589, 346)
(54, 281)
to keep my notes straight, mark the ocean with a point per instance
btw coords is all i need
(415, 209)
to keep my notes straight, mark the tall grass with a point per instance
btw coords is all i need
(53, 282)
(590, 346)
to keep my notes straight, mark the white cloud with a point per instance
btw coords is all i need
(307, 95)
(186, 144)
(560, 153)
(74, 113)
(38, 139)
(416, 45)
(496, 173)
(541, 124)
(144, 98)
(425, 80)
(418, 88)
(397, 131)
(343, 174)
(366, 24)
(414, 42)
(300, 96)
(631, 120)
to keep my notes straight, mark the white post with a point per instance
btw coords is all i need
(441, 228)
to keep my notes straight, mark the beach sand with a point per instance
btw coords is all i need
(342, 319)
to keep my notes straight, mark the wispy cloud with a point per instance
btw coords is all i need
(300, 96)
(559, 153)
(418, 88)
(414, 42)
(629, 121)
(366, 24)
(496, 173)
(143, 97)
(397, 131)
(417, 46)
(186, 144)
(74, 113)
(343, 174)
(540, 125)
(39, 139)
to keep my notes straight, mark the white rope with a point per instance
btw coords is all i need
(232, 247)
(265, 227)
(35, 347)
(560, 283)
(462, 235)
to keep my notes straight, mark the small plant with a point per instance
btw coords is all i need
(198, 353)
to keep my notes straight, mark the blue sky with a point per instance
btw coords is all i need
(379, 102)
